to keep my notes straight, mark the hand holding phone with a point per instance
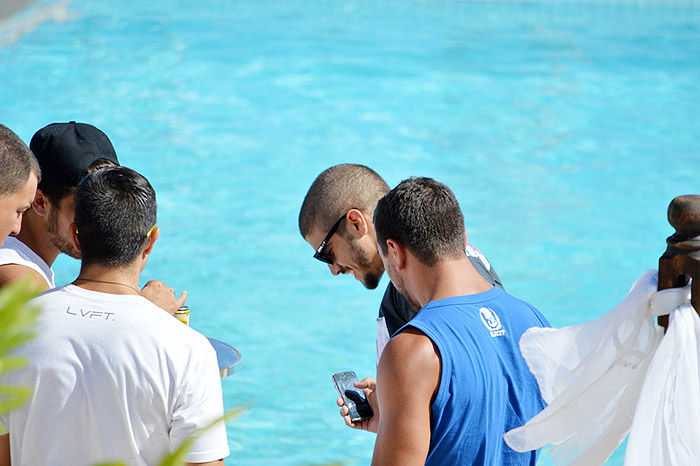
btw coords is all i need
(354, 398)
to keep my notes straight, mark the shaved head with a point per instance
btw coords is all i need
(17, 162)
(337, 190)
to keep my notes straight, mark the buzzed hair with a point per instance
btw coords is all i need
(337, 190)
(17, 162)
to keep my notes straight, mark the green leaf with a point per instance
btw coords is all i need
(17, 321)
(13, 397)
(10, 363)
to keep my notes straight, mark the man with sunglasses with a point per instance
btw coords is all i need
(336, 219)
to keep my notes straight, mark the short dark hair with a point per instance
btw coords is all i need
(337, 190)
(17, 162)
(424, 216)
(115, 208)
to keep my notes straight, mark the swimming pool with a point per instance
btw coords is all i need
(564, 128)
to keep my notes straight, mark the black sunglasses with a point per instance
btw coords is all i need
(319, 254)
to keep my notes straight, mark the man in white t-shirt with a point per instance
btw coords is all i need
(18, 179)
(114, 377)
(66, 152)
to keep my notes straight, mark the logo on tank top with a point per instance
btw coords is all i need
(491, 321)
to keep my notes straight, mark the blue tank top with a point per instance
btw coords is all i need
(486, 388)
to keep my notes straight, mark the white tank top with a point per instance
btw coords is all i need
(13, 251)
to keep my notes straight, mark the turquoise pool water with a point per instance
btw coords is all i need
(564, 128)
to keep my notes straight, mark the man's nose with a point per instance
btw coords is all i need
(335, 269)
(18, 226)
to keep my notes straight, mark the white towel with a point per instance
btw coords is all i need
(592, 375)
(666, 427)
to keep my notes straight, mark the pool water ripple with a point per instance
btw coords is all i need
(564, 128)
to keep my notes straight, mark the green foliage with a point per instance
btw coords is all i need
(17, 321)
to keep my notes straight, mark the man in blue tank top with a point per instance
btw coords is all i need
(336, 219)
(452, 381)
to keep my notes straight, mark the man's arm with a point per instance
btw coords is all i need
(5, 450)
(10, 273)
(210, 463)
(408, 379)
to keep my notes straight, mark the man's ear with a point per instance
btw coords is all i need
(356, 223)
(74, 235)
(155, 233)
(396, 253)
(39, 204)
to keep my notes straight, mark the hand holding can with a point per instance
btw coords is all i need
(183, 315)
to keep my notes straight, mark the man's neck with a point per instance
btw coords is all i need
(447, 279)
(36, 237)
(113, 280)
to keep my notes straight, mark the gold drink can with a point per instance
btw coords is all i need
(183, 315)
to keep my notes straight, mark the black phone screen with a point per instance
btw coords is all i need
(355, 399)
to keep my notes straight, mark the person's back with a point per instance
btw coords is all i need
(114, 378)
(477, 337)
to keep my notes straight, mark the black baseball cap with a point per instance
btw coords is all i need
(66, 150)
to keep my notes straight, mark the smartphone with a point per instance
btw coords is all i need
(355, 399)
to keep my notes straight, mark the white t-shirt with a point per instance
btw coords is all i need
(13, 251)
(114, 378)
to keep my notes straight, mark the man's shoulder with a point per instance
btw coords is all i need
(10, 251)
(56, 293)
(410, 338)
(410, 352)
(525, 310)
(17, 260)
(14, 247)
(495, 310)
(11, 272)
